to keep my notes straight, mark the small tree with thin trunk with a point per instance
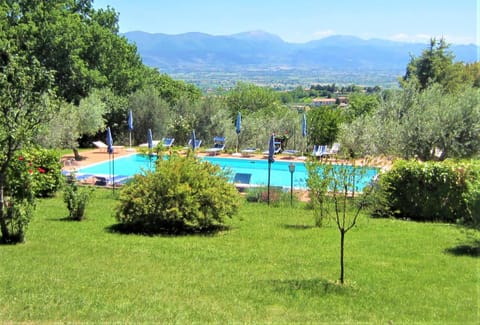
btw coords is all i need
(335, 193)
(25, 104)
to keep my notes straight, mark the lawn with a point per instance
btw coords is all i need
(271, 267)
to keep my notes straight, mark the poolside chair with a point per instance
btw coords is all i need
(278, 148)
(198, 143)
(154, 144)
(167, 142)
(218, 145)
(291, 152)
(103, 147)
(319, 151)
(247, 152)
(334, 149)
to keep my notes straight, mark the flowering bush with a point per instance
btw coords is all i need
(31, 173)
(35, 172)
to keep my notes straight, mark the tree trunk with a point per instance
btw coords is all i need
(342, 244)
(76, 154)
(3, 223)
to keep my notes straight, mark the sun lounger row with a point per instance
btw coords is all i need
(166, 142)
(322, 150)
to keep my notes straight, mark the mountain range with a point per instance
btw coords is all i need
(258, 50)
(261, 50)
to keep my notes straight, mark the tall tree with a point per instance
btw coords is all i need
(79, 44)
(435, 65)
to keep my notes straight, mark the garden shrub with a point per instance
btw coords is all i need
(76, 199)
(183, 194)
(428, 191)
(260, 195)
(43, 167)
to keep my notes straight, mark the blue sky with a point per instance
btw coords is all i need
(299, 21)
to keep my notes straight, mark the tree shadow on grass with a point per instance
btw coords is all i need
(471, 249)
(124, 229)
(313, 287)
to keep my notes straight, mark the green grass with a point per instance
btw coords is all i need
(271, 267)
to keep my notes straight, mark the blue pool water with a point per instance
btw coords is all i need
(279, 173)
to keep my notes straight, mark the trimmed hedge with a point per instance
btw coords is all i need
(429, 191)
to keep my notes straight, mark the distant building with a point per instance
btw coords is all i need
(342, 100)
(323, 101)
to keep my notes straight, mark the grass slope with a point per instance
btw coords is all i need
(271, 267)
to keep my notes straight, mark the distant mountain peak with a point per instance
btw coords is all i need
(257, 35)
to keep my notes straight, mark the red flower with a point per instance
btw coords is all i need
(41, 170)
(21, 158)
(30, 171)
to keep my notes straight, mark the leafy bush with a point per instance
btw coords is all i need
(260, 194)
(32, 172)
(183, 194)
(76, 199)
(42, 167)
(435, 191)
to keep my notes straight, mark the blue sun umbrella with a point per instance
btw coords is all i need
(130, 125)
(110, 150)
(149, 139)
(271, 153)
(193, 139)
(304, 127)
(238, 123)
(238, 126)
(109, 141)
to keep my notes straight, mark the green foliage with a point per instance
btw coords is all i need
(278, 197)
(361, 105)
(46, 167)
(433, 191)
(25, 104)
(248, 98)
(183, 194)
(323, 125)
(426, 125)
(76, 199)
(435, 66)
(150, 111)
(170, 90)
(79, 43)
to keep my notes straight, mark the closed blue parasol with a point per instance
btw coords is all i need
(238, 126)
(238, 123)
(130, 126)
(110, 150)
(193, 139)
(150, 139)
(130, 121)
(304, 125)
(271, 153)
(271, 149)
(109, 141)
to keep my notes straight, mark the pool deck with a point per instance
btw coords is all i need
(94, 156)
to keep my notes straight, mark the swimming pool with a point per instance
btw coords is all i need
(258, 169)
